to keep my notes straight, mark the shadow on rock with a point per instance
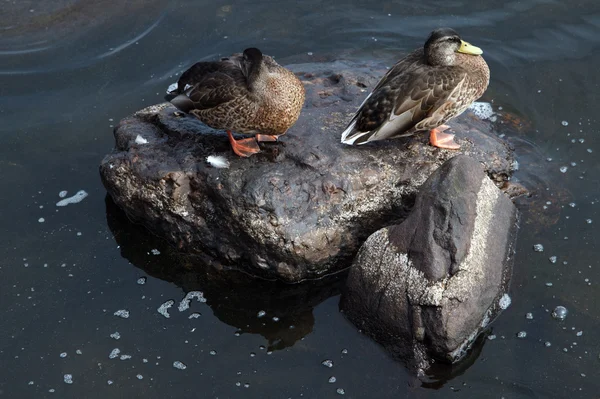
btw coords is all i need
(235, 298)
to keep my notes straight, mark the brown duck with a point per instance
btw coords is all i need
(246, 93)
(423, 91)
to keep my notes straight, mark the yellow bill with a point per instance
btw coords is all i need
(468, 48)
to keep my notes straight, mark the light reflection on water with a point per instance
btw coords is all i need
(71, 70)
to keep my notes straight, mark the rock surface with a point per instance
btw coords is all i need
(426, 287)
(302, 207)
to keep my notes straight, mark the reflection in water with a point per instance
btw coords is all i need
(234, 297)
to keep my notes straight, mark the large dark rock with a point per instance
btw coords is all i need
(302, 207)
(425, 288)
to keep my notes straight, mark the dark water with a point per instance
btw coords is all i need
(69, 70)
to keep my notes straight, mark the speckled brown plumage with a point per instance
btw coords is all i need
(246, 93)
(421, 92)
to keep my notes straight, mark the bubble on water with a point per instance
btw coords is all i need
(246, 385)
(310, 53)
(483, 110)
(115, 335)
(572, 204)
(538, 248)
(521, 334)
(588, 221)
(275, 318)
(164, 308)
(125, 357)
(252, 354)
(109, 382)
(504, 302)
(581, 141)
(68, 378)
(529, 316)
(41, 220)
(327, 363)
(78, 352)
(123, 313)
(565, 123)
(549, 284)
(563, 169)
(261, 313)
(547, 344)
(30, 383)
(344, 351)
(491, 337)
(552, 259)
(332, 379)
(63, 355)
(589, 150)
(549, 159)
(560, 313)
(340, 391)
(141, 280)
(213, 352)
(155, 251)
(62, 194)
(194, 315)
(140, 377)
(238, 384)
(185, 302)
(51, 390)
(114, 353)
(78, 197)
(144, 360)
(579, 333)
(179, 365)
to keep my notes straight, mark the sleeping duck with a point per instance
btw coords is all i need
(246, 93)
(423, 91)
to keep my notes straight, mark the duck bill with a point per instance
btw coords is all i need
(467, 48)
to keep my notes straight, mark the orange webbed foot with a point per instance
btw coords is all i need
(438, 138)
(266, 137)
(244, 147)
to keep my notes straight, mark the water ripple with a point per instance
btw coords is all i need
(133, 40)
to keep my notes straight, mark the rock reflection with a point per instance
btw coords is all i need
(281, 313)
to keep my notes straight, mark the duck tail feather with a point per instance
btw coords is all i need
(182, 102)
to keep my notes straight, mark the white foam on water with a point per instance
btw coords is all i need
(179, 365)
(114, 353)
(164, 308)
(504, 302)
(62, 194)
(78, 197)
(185, 302)
(122, 313)
(483, 110)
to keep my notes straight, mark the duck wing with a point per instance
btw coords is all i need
(206, 85)
(405, 101)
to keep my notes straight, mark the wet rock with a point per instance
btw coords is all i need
(302, 207)
(426, 287)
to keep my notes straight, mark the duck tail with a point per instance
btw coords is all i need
(352, 136)
(182, 102)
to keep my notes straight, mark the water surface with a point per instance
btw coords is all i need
(70, 70)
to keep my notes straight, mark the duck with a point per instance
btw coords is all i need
(248, 93)
(422, 92)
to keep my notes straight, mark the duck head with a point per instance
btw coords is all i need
(443, 44)
(252, 64)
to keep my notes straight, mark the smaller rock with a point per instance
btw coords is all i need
(427, 287)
